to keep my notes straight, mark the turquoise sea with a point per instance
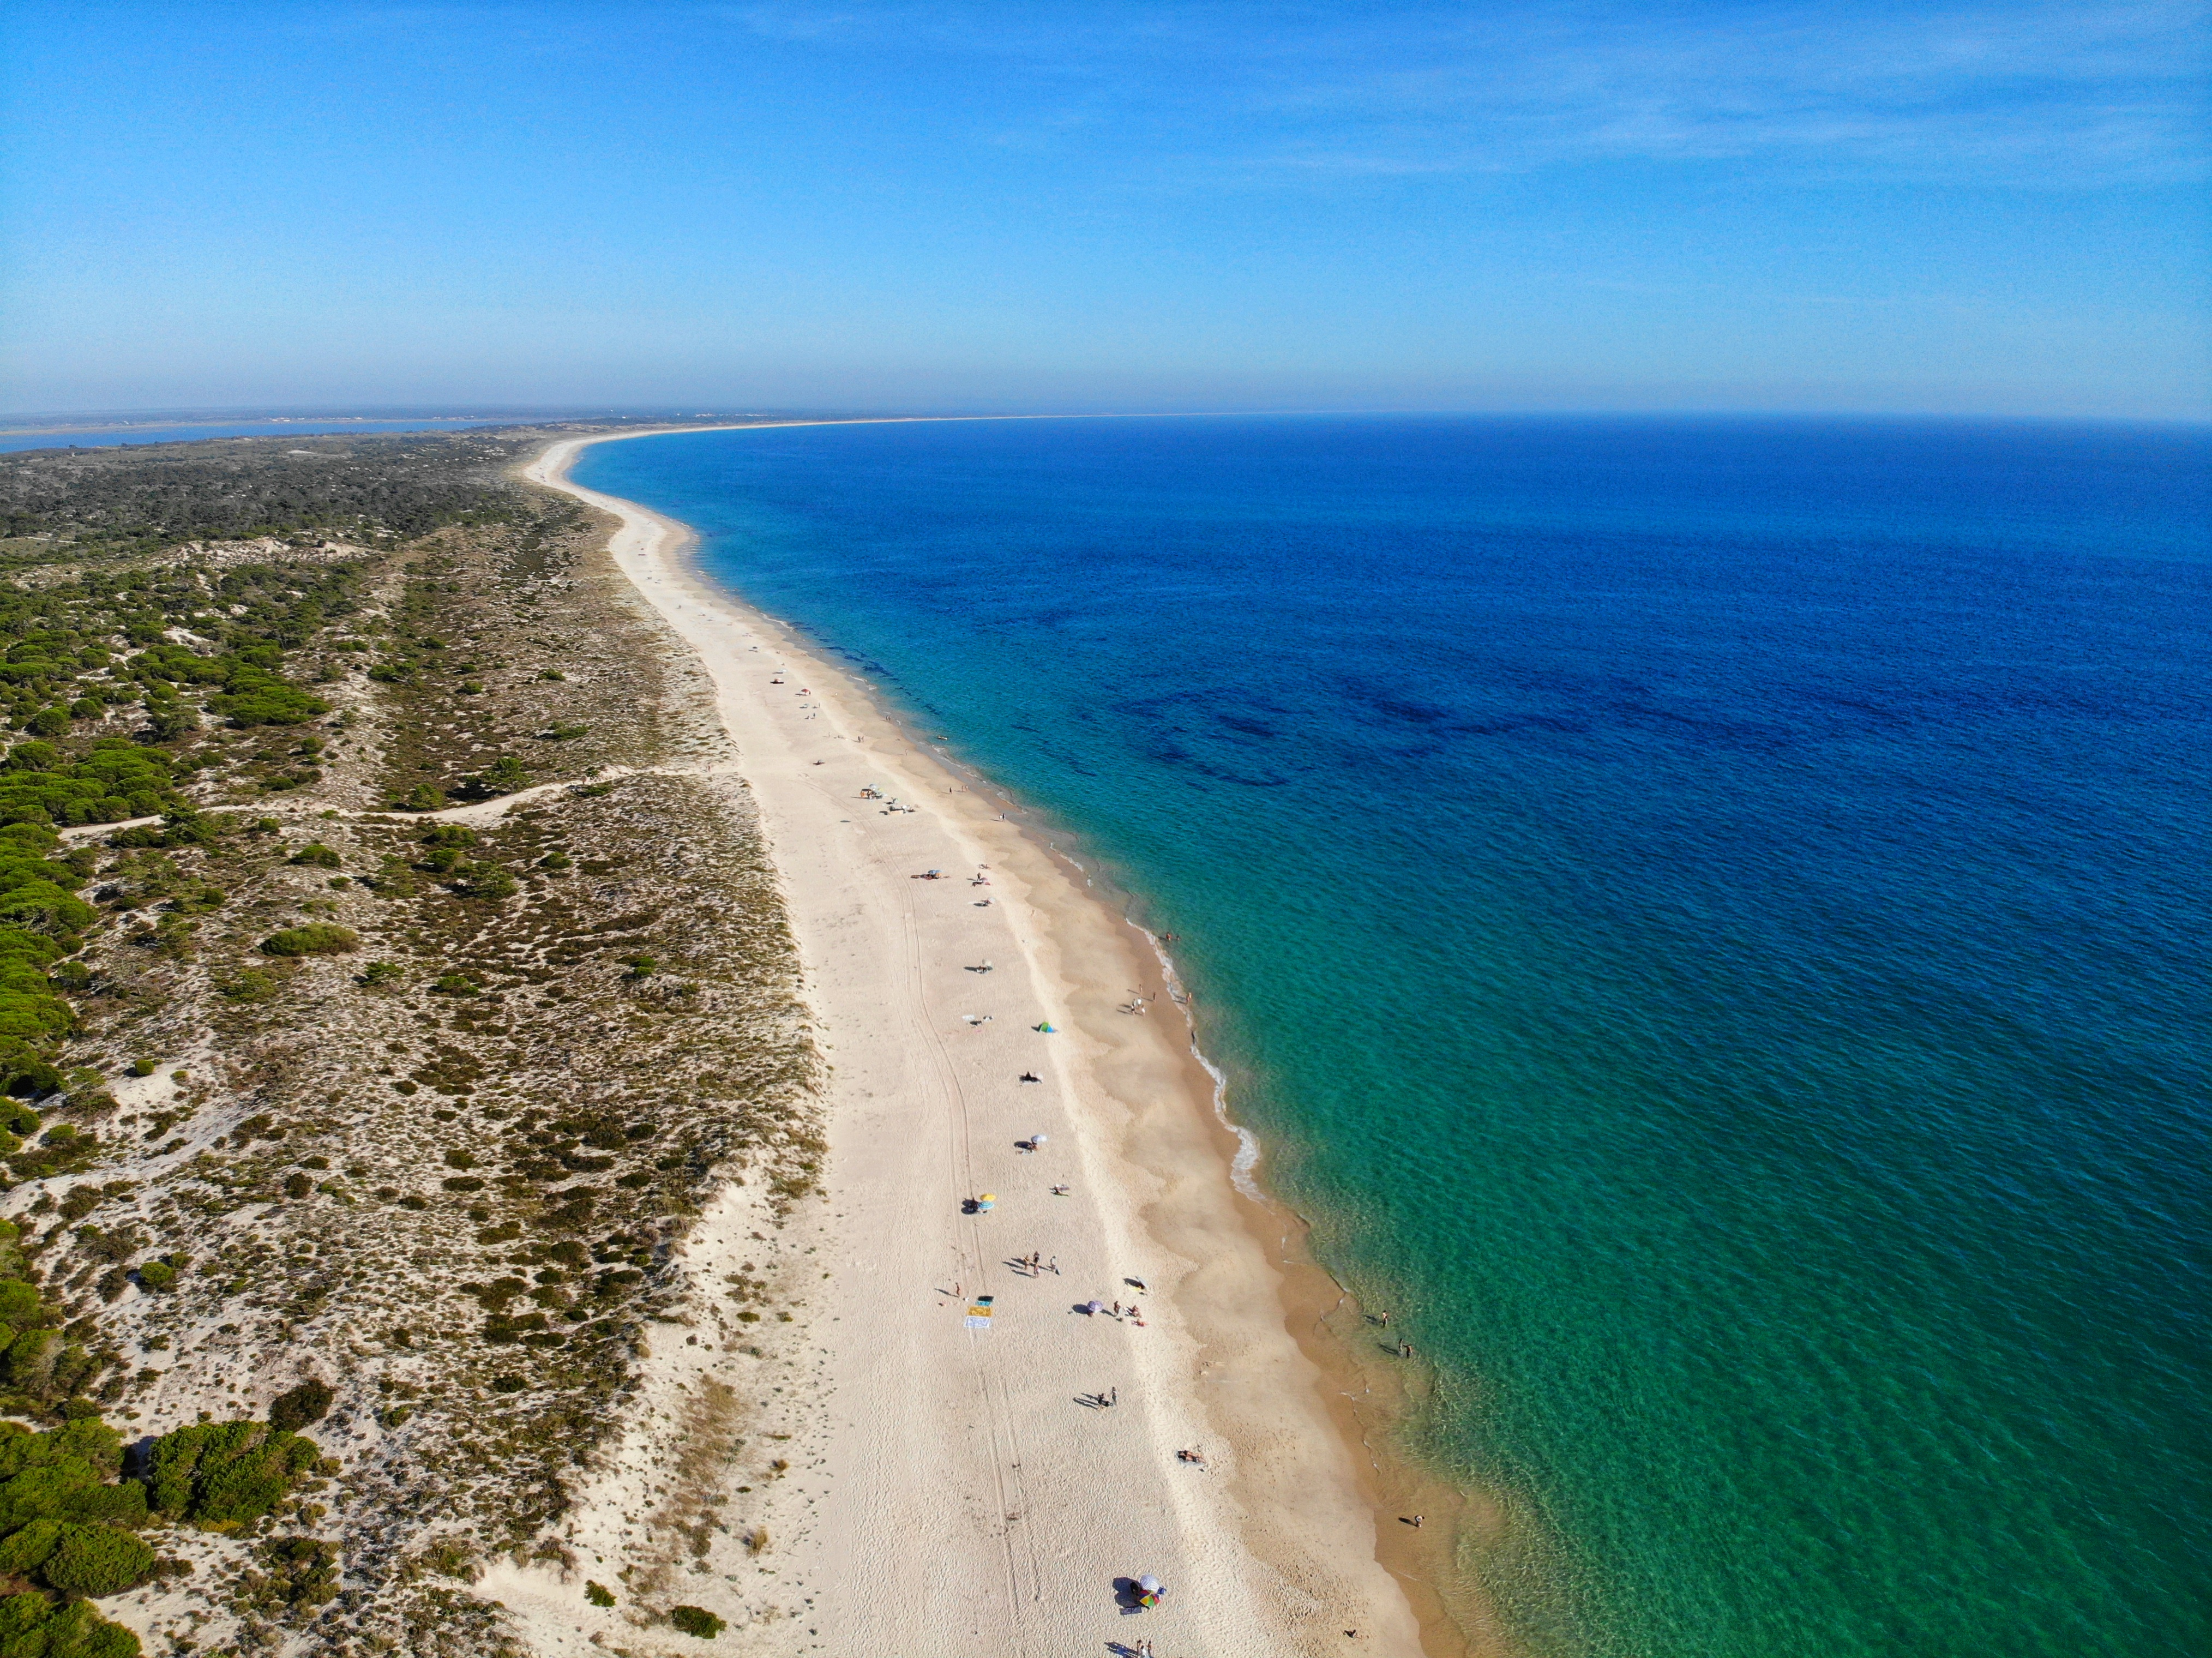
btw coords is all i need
(1708, 917)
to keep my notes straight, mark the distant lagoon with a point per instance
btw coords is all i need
(91, 436)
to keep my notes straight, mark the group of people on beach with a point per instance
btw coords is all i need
(1036, 1263)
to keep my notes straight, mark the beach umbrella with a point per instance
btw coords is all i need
(1149, 1584)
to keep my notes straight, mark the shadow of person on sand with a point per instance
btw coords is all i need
(1125, 1594)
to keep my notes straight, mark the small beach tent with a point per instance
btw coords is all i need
(1046, 1027)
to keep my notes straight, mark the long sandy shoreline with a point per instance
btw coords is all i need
(974, 1492)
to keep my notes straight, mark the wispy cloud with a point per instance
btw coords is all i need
(2013, 91)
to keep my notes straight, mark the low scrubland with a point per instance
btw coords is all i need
(390, 971)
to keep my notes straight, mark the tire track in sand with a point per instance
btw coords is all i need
(1004, 1441)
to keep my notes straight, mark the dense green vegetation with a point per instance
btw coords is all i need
(36, 1625)
(316, 938)
(413, 1116)
(142, 499)
(41, 1363)
(69, 1523)
(220, 1475)
(70, 677)
(67, 1531)
(71, 661)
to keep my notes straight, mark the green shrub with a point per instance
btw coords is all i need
(486, 881)
(219, 1475)
(97, 1560)
(317, 853)
(696, 1620)
(62, 1150)
(65, 1522)
(297, 1185)
(249, 985)
(315, 938)
(503, 776)
(142, 1067)
(24, 1550)
(295, 1407)
(303, 1571)
(32, 1625)
(157, 1275)
(599, 1594)
(425, 796)
(20, 1306)
(451, 835)
(392, 878)
(383, 973)
(167, 719)
(456, 983)
(256, 697)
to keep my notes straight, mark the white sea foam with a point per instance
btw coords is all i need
(1242, 1166)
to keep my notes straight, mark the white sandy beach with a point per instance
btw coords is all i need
(955, 1487)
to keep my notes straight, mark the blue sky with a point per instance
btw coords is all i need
(1973, 208)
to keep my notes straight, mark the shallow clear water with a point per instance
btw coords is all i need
(1708, 919)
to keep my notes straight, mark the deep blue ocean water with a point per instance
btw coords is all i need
(1708, 919)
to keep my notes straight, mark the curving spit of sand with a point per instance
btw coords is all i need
(973, 1494)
